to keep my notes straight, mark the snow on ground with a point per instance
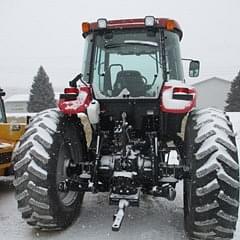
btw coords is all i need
(156, 218)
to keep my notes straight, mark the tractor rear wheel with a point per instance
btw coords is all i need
(40, 163)
(211, 195)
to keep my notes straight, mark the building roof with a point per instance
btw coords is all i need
(23, 98)
(18, 98)
(211, 79)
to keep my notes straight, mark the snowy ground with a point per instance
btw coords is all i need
(155, 218)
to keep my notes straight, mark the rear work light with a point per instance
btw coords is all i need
(149, 21)
(102, 23)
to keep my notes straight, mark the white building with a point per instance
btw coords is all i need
(212, 92)
(18, 103)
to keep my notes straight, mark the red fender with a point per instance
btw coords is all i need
(177, 97)
(79, 104)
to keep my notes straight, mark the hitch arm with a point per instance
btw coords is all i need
(118, 217)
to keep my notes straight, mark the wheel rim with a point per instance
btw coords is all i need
(64, 158)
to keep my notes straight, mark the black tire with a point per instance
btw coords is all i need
(42, 153)
(211, 196)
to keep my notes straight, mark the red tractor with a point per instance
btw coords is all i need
(115, 127)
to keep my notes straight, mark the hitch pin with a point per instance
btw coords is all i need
(118, 217)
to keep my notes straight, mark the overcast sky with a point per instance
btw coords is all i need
(48, 33)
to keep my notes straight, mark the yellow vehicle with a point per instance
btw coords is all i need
(9, 135)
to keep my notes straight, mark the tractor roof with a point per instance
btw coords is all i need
(165, 23)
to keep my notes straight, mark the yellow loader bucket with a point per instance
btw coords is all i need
(10, 133)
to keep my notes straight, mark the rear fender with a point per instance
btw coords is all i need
(79, 103)
(177, 97)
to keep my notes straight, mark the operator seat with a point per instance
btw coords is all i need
(130, 79)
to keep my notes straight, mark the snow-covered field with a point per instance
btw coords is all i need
(155, 218)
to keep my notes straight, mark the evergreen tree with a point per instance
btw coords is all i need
(233, 99)
(41, 94)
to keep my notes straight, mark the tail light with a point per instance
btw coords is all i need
(71, 90)
(182, 93)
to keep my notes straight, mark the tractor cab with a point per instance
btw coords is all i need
(132, 66)
(131, 58)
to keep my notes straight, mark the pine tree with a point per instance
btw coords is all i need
(41, 94)
(233, 99)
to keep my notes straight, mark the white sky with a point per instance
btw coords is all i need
(48, 33)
